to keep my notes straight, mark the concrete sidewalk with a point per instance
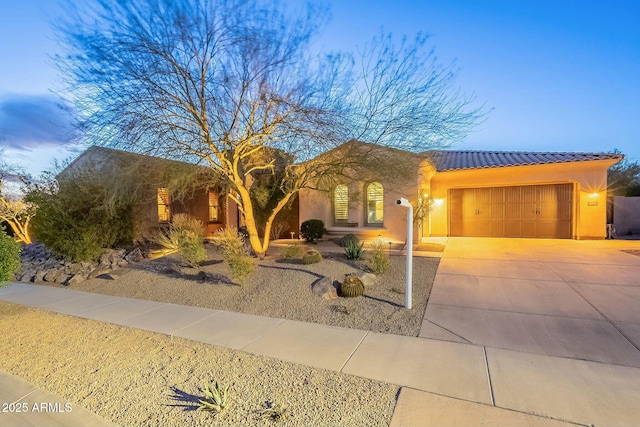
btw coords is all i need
(440, 378)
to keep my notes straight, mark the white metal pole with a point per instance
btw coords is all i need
(409, 271)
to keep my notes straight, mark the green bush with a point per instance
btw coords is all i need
(354, 251)
(347, 239)
(235, 253)
(231, 241)
(240, 266)
(74, 220)
(312, 229)
(379, 261)
(186, 235)
(9, 256)
(292, 251)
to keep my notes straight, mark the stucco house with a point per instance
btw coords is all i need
(473, 193)
(456, 193)
(163, 189)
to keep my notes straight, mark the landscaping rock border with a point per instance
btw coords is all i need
(39, 265)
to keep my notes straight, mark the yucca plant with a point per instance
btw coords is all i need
(353, 250)
(215, 398)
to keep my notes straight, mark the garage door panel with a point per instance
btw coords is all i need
(520, 211)
(497, 229)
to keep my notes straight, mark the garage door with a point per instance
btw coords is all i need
(542, 211)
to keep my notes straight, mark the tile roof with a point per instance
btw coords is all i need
(447, 160)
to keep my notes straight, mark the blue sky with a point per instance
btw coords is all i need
(559, 75)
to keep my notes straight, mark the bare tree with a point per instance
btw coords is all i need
(231, 84)
(623, 178)
(13, 209)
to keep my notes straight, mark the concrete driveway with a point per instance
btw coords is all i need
(573, 299)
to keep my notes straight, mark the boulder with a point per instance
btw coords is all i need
(134, 256)
(99, 272)
(74, 280)
(38, 277)
(367, 279)
(323, 288)
(117, 256)
(52, 275)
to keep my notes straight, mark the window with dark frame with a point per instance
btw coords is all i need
(213, 207)
(164, 205)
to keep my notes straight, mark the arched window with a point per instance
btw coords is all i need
(341, 203)
(375, 202)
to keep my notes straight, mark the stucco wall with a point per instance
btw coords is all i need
(589, 179)
(626, 215)
(318, 205)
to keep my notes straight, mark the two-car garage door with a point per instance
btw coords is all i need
(542, 211)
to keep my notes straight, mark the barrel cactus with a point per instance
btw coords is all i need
(352, 286)
(312, 256)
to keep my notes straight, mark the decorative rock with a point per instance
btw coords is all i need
(324, 289)
(52, 276)
(117, 255)
(134, 256)
(39, 276)
(74, 280)
(368, 279)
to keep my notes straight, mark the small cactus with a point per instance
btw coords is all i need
(312, 256)
(352, 286)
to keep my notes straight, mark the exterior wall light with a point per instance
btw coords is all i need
(438, 202)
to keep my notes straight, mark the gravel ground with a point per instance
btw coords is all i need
(280, 288)
(138, 378)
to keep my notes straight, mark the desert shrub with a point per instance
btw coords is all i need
(354, 250)
(312, 229)
(234, 252)
(230, 241)
(186, 235)
(379, 260)
(9, 256)
(243, 232)
(240, 266)
(348, 238)
(292, 251)
(74, 220)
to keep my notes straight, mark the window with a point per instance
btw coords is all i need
(164, 210)
(213, 207)
(375, 199)
(341, 203)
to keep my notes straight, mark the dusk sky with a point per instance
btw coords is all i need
(559, 75)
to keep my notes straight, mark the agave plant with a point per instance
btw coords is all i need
(215, 398)
(353, 250)
(275, 412)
